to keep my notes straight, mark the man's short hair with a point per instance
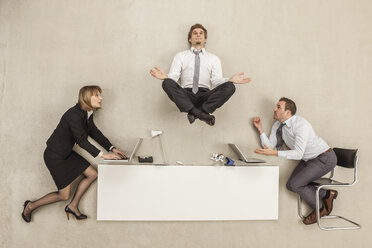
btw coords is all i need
(289, 105)
(197, 26)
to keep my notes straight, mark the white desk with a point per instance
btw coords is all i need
(169, 193)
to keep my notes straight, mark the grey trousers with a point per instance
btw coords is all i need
(308, 171)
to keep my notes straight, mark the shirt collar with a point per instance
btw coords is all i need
(85, 113)
(194, 49)
(290, 121)
(89, 113)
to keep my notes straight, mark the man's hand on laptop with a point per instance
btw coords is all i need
(267, 151)
(110, 156)
(119, 153)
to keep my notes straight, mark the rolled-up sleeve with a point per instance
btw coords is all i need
(216, 73)
(266, 141)
(271, 141)
(301, 138)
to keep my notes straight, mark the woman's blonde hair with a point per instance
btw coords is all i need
(85, 95)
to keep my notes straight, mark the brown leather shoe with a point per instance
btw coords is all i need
(328, 202)
(311, 218)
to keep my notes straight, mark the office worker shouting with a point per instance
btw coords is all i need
(198, 71)
(316, 157)
(64, 164)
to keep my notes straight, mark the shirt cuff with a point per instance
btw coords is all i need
(282, 154)
(100, 154)
(219, 81)
(173, 77)
(262, 135)
(265, 140)
(112, 147)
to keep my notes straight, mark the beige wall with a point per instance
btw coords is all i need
(317, 52)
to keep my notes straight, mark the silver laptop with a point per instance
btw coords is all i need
(131, 156)
(243, 158)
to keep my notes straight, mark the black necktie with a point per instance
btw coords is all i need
(279, 138)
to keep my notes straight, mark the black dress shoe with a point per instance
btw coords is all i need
(26, 218)
(207, 118)
(78, 217)
(191, 118)
(203, 116)
(212, 121)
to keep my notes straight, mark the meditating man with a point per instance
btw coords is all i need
(202, 88)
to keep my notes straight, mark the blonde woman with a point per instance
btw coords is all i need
(64, 164)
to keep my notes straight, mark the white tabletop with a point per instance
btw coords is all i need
(169, 193)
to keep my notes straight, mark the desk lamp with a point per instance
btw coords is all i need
(155, 133)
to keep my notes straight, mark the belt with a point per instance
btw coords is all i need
(330, 149)
(199, 88)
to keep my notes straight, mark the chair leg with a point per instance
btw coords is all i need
(317, 209)
(299, 206)
(317, 206)
(353, 227)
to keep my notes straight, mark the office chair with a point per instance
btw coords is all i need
(346, 158)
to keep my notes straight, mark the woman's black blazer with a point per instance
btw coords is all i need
(74, 127)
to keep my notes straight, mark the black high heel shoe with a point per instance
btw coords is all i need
(69, 211)
(26, 218)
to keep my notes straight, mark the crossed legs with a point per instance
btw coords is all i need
(300, 183)
(300, 179)
(201, 104)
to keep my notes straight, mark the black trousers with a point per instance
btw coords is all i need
(204, 99)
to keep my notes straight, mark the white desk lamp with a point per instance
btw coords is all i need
(155, 133)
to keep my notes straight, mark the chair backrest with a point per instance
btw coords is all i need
(346, 157)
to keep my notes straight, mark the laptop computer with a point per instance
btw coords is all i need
(131, 156)
(243, 158)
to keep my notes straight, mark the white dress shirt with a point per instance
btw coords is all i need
(299, 136)
(210, 69)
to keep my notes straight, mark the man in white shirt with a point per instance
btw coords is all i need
(317, 158)
(197, 71)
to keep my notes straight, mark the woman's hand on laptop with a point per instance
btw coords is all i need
(110, 156)
(119, 153)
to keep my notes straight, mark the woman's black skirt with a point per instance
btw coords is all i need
(64, 170)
